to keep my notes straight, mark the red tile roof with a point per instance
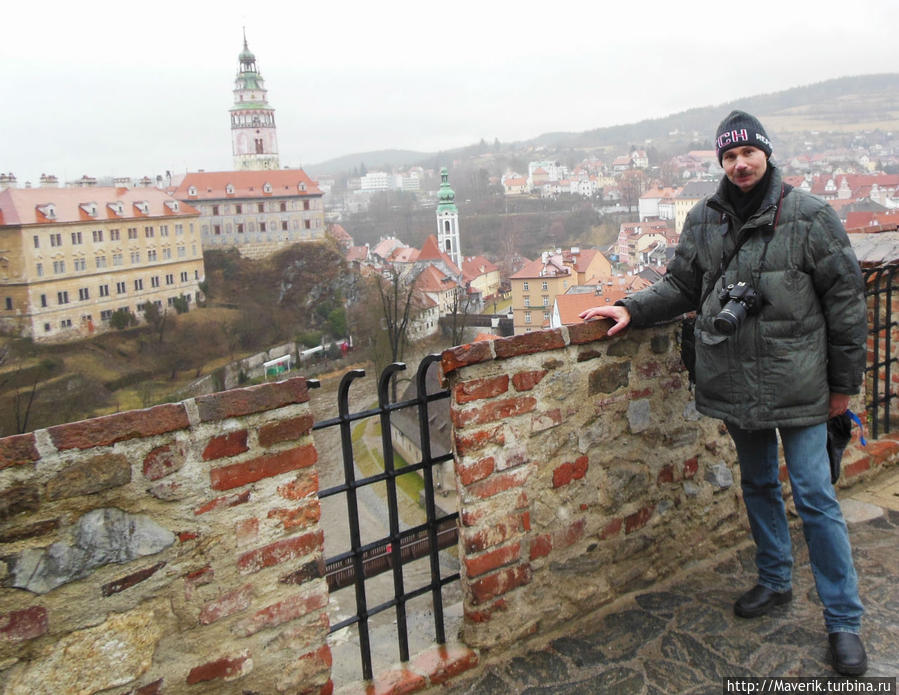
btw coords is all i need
(28, 205)
(212, 185)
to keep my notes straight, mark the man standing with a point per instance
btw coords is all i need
(780, 335)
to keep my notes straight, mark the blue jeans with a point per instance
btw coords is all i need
(805, 450)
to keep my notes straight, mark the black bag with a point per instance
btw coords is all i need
(688, 346)
(839, 430)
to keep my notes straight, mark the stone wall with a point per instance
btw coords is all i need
(169, 550)
(585, 473)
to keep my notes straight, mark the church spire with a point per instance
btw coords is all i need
(254, 140)
(448, 220)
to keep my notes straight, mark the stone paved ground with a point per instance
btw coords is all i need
(684, 638)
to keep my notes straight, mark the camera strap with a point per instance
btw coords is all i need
(726, 258)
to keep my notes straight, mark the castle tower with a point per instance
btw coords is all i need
(448, 220)
(254, 139)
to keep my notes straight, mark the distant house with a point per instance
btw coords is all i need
(515, 186)
(482, 275)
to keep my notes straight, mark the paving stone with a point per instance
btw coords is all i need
(537, 668)
(670, 676)
(615, 681)
(582, 652)
(661, 602)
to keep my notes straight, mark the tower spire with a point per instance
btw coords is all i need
(448, 220)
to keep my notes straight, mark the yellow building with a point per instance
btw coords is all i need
(536, 286)
(70, 257)
(689, 195)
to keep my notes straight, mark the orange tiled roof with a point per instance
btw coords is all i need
(432, 280)
(212, 185)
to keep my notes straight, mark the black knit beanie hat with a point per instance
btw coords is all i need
(738, 129)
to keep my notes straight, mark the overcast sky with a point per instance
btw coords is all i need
(133, 89)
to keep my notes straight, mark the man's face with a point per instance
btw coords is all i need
(744, 166)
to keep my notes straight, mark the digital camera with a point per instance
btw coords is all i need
(739, 300)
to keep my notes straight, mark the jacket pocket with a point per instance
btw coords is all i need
(714, 377)
(795, 373)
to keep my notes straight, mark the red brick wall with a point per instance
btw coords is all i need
(237, 603)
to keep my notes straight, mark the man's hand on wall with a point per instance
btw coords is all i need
(618, 314)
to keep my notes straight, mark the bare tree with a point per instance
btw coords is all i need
(396, 292)
(462, 305)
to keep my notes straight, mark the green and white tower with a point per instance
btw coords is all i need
(254, 140)
(448, 220)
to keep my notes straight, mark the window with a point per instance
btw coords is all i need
(76, 238)
(283, 206)
(183, 276)
(215, 209)
(43, 300)
(166, 254)
(104, 290)
(307, 224)
(80, 264)
(546, 316)
(527, 317)
(545, 300)
(106, 314)
(37, 241)
(117, 259)
(98, 235)
(151, 255)
(132, 232)
(59, 266)
(262, 226)
(138, 285)
(65, 323)
(527, 300)
(163, 230)
(135, 257)
(284, 225)
(544, 285)
(305, 204)
(56, 240)
(182, 252)
(62, 297)
(217, 228)
(238, 208)
(100, 261)
(114, 235)
(120, 288)
(83, 294)
(526, 288)
(179, 230)
(148, 232)
(154, 281)
(260, 207)
(240, 228)
(170, 279)
(9, 303)
(46, 328)
(40, 269)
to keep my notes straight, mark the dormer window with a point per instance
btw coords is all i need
(266, 188)
(173, 205)
(90, 209)
(48, 211)
(192, 191)
(302, 187)
(143, 206)
(229, 189)
(117, 207)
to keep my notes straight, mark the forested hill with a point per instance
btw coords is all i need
(849, 103)
(866, 102)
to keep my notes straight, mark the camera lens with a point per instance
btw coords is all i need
(730, 317)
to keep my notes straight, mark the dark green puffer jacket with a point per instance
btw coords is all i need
(808, 340)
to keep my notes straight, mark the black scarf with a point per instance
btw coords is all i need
(745, 205)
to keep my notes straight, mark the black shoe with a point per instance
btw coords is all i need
(848, 653)
(759, 600)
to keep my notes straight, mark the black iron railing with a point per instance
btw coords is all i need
(361, 561)
(879, 368)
